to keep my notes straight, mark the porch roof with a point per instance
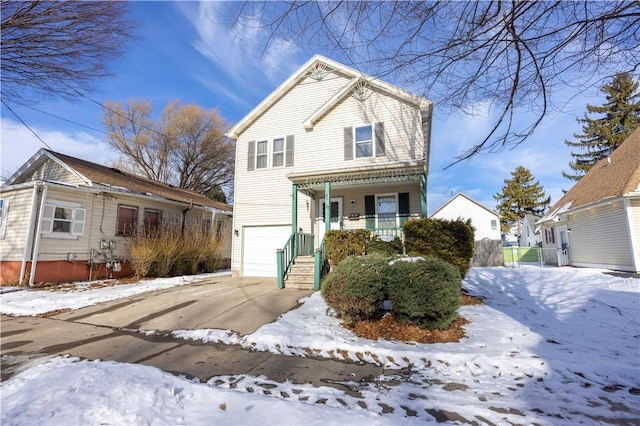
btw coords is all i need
(371, 173)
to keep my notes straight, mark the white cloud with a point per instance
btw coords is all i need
(19, 144)
(240, 52)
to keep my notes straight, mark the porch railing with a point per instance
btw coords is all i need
(298, 244)
(320, 259)
(388, 233)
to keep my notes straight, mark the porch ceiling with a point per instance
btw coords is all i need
(370, 174)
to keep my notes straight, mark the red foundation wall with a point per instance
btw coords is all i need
(58, 272)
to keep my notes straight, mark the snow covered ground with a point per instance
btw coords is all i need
(549, 346)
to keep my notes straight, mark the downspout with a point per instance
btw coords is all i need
(28, 239)
(36, 242)
(184, 216)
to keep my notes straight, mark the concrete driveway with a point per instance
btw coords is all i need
(109, 331)
(239, 304)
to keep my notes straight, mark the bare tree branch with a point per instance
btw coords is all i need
(515, 56)
(54, 47)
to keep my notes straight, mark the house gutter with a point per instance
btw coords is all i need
(32, 224)
(36, 242)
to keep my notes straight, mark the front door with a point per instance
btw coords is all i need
(563, 246)
(336, 216)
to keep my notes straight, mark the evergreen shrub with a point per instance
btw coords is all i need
(341, 244)
(355, 287)
(449, 240)
(388, 248)
(425, 293)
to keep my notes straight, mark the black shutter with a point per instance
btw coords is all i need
(251, 156)
(379, 135)
(370, 211)
(348, 143)
(289, 151)
(404, 209)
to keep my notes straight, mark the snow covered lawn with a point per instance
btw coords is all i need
(549, 346)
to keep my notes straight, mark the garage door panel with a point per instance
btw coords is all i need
(260, 244)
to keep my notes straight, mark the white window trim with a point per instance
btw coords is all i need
(266, 154)
(284, 152)
(3, 219)
(395, 195)
(78, 218)
(373, 142)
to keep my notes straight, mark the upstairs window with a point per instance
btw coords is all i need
(494, 225)
(262, 155)
(364, 141)
(278, 152)
(127, 220)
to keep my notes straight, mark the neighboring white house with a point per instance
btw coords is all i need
(485, 221)
(66, 219)
(330, 148)
(530, 235)
(597, 222)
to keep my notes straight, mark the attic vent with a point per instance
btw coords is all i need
(361, 90)
(113, 169)
(318, 71)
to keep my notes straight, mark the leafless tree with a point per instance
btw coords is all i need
(186, 147)
(58, 47)
(518, 57)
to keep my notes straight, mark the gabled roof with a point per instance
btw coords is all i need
(461, 195)
(320, 62)
(611, 177)
(96, 175)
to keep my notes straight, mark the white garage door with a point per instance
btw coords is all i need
(259, 249)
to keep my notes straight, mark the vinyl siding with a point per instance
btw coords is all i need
(52, 171)
(12, 246)
(263, 196)
(462, 208)
(599, 237)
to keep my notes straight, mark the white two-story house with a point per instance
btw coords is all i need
(330, 148)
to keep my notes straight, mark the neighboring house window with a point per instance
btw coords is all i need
(364, 141)
(550, 236)
(152, 219)
(262, 155)
(278, 152)
(63, 219)
(494, 225)
(4, 212)
(387, 210)
(127, 220)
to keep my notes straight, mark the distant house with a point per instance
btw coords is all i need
(330, 148)
(486, 222)
(597, 222)
(65, 219)
(530, 235)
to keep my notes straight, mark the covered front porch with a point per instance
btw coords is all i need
(379, 198)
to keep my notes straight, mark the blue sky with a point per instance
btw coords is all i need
(184, 53)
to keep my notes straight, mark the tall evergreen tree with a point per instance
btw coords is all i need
(601, 136)
(520, 195)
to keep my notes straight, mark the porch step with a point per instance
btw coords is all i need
(301, 273)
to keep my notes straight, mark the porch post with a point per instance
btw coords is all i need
(423, 195)
(327, 206)
(294, 217)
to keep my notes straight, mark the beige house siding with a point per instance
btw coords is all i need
(53, 171)
(599, 237)
(19, 213)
